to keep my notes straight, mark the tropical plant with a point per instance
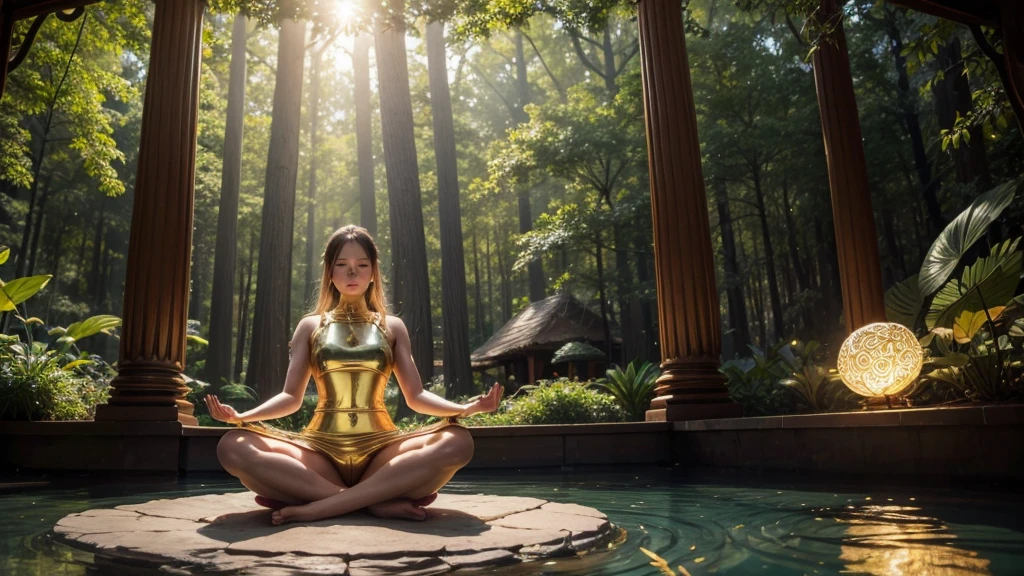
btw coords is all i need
(813, 386)
(988, 282)
(633, 387)
(753, 382)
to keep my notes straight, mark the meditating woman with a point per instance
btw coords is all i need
(350, 456)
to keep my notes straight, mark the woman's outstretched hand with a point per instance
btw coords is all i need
(220, 412)
(487, 403)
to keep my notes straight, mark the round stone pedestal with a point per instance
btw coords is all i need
(230, 533)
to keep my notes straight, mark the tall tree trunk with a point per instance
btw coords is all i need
(733, 284)
(195, 297)
(759, 309)
(95, 281)
(364, 131)
(648, 332)
(604, 300)
(490, 288)
(610, 73)
(38, 226)
(535, 268)
(54, 286)
(410, 281)
(769, 259)
(478, 306)
(895, 268)
(458, 375)
(506, 285)
(952, 96)
(929, 186)
(802, 275)
(218, 358)
(106, 275)
(831, 291)
(624, 278)
(82, 261)
(37, 164)
(312, 281)
(244, 295)
(268, 354)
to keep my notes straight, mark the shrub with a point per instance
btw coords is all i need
(34, 386)
(554, 402)
(753, 383)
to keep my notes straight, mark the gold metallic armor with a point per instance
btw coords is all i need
(352, 361)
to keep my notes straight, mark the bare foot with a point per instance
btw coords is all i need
(398, 508)
(291, 514)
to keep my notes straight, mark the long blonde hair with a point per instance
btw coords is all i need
(329, 297)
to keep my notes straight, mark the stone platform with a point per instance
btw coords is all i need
(230, 534)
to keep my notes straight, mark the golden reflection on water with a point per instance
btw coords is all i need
(893, 541)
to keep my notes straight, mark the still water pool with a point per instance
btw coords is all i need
(765, 530)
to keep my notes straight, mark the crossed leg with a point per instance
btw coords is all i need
(410, 469)
(277, 469)
(291, 474)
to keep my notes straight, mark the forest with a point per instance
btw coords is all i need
(497, 152)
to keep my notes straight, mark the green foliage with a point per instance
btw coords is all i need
(966, 229)
(39, 383)
(788, 377)
(753, 382)
(815, 387)
(989, 282)
(903, 302)
(554, 402)
(633, 387)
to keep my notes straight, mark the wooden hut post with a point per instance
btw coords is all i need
(149, 384)
(691, 387)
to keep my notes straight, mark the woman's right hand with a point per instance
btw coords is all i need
(221, 412)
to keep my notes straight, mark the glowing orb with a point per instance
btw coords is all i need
(880, 359)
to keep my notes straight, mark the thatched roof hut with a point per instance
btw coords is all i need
(540, 329)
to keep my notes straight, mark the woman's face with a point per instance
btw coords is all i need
(352, 270)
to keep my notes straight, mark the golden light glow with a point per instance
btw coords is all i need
(880, 359)
(897, 541)
(345, 10)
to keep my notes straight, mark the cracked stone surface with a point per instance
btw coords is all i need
(231, 534)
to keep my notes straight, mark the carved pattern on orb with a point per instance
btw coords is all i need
(880, 359)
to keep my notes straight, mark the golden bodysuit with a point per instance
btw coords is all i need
(351, 361)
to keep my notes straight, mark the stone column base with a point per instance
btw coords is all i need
(114, 413)
(679, 410)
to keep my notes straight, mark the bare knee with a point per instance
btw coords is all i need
(456, 447)
(233, 449)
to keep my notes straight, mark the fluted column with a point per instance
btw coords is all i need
(860, 272)
(691, 387)
(149, 385)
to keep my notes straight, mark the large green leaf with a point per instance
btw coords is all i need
(903, 302)
(94, 325)
(961, 233)
(21, 289)
(990, 281)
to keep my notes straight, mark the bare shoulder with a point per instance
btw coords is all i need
(395, 326)
(307, 325)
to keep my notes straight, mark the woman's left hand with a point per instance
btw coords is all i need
(486, 403)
